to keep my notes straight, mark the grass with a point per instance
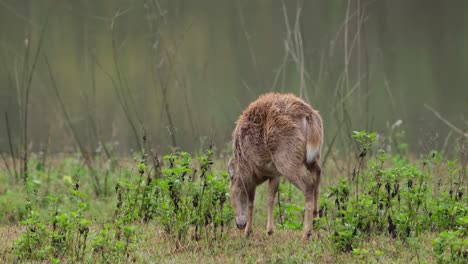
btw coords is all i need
(392, 209)
(283, 246)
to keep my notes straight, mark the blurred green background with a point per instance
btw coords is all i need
(184, 70)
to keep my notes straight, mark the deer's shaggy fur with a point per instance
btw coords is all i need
(277, 135)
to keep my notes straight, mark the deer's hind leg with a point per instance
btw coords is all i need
(273, 185)
(298, 175)
(316, 171)
(311, 194)
(302, 179)
(289, 161)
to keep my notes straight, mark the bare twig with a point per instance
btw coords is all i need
(253, 58)
(294, 47)
(125, 97)
(446, 122)
(446, 141)
(164, 60)
(6, 164)
(17, 14)
(121, 98)
(330, 146)
(92, 113)
(345, 98)
(86, 156)
(346, 50)
(10, 145)
(25, 87)
(195, 131)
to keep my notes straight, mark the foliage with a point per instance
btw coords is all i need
(397, 200)
(185, 202)
(451, 246)
(62, 233)
(189, 202)
(289, 207)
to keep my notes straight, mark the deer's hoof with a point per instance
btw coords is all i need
(306, 236)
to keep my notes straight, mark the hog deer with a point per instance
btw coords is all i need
(277, 135)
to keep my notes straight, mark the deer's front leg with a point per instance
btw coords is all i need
(308, 215)
(248, 229)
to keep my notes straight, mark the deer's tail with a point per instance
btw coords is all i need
(314, 139)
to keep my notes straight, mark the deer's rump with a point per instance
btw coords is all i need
(275, 123)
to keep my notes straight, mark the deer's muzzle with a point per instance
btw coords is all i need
(241, 222)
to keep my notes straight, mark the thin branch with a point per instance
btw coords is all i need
(86, 156)
(446, 122)
(248, 37)
(10, 145)
(26, 88)
(17, 14)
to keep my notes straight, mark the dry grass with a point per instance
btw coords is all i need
(8, 235)
(284, 246)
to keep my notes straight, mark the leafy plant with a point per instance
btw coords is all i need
(59, 234)
(288, 209)
(393, 198)
(451, 246)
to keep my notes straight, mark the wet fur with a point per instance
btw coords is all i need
(276, 135)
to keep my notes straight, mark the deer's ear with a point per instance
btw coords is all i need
(231, 168)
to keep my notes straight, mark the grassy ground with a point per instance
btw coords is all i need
(284, 246)
(135, 240)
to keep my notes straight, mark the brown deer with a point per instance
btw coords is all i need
(277, 135)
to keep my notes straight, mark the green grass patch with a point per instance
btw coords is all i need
(390, 208)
